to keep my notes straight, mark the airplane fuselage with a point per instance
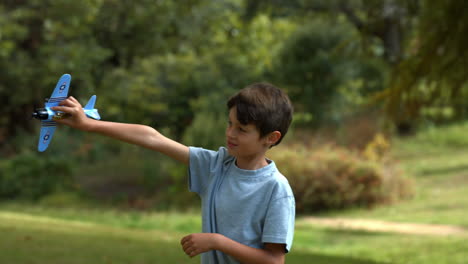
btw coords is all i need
(48, 114)
(41, 114)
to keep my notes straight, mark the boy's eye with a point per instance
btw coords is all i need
(241, 129)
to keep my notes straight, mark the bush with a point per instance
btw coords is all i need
(336, 178)
(136, 178)
(30, 176)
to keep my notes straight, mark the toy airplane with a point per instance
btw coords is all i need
(47, 115)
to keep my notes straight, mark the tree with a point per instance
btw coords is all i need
(388, 21)
(434, 73)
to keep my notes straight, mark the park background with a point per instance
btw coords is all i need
(379, 133)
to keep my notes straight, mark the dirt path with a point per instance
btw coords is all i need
(385, 226)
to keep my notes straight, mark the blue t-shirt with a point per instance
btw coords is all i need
(251, 207)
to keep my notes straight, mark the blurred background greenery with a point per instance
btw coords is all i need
(359, 74)
(372, 83)
(355, 71)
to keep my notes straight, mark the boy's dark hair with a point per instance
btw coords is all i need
(265, 106)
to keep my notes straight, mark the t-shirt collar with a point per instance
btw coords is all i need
(262, 172)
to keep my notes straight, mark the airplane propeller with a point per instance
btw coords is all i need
(40, 113)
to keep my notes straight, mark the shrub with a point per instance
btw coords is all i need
(136, 178)
(335, 178)
(30, 176)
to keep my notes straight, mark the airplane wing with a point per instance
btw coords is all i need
(47, 131)
(61, 91)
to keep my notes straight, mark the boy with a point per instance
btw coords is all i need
(248, 207)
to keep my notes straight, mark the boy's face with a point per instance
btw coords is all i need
(243, 141)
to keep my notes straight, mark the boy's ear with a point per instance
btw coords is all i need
(273, 137)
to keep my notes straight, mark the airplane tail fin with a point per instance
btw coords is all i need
(91, 103)
(93, 114)
(89, 109)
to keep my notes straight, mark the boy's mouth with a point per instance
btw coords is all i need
(231, 145)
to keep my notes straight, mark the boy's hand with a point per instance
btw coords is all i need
(195, 244)
(76, 117)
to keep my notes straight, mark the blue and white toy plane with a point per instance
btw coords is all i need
(47, 115)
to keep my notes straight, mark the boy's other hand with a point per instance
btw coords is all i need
(77, 118)
(195, 244)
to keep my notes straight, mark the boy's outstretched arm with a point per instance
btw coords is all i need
(140, 135)
(195, 244)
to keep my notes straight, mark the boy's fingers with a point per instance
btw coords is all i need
(187, 246)
(184, 239)
(68, 102)
(60, 108)
(188, 250)
(193, 253)
(71, 98)
(65, 109)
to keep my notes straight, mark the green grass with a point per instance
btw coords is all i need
(38, 239)
(169, 221)
(436, 161)
(37, 235)
(379, 247)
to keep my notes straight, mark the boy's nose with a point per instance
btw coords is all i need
(229, 132)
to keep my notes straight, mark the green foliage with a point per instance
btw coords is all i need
(308, 67)
(30, 176)
(173, 66)
(434, 73)
(135, 178)
(178, 90)
(323, 72)
(334, 178)
(63, 199)
(207, 131)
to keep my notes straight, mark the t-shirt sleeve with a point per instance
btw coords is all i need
(202, 164)
(279, 222)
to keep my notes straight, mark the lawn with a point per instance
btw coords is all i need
(45, 235)
(30, 238)
(36, 234)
